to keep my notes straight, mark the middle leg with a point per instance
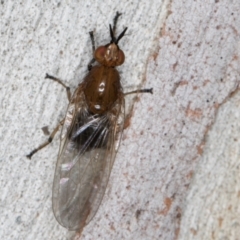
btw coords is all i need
(60, 82)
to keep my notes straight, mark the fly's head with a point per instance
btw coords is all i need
(111, 55)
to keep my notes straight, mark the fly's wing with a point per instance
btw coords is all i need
(87, 151)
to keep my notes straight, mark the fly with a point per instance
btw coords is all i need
(90, 136)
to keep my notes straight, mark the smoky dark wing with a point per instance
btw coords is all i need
(87, 151)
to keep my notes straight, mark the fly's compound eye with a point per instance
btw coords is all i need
(99, 54)
(121, 58)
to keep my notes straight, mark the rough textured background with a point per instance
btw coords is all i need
(189, 53)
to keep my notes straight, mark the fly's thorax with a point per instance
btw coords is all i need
(102, 89)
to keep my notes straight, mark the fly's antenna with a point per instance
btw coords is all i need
(121, 35)
(114, 40)
(113, 30)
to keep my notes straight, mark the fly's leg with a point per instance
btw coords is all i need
(146, 90)
(93, 41)
(93, 50)
(47, 142)
(60, 82)
(59, 125)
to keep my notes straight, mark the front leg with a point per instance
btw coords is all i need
(93, 51)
